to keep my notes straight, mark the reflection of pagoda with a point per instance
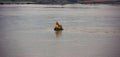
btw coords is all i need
(58, 34)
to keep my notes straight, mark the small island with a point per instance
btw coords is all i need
(62, 2)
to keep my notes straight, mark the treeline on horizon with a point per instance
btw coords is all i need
(59, 1)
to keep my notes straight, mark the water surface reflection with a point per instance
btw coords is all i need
(90, 31)
(58, 33)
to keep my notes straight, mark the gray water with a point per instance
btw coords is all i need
(89, 30)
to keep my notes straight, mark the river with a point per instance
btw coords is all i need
(90, 30)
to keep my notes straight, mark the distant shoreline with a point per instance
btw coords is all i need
(110, 2)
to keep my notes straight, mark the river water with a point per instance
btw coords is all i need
(89, 30)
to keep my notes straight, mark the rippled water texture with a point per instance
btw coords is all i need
(89, 30)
